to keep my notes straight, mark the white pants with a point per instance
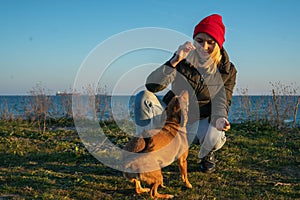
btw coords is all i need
(148, 111)
(148, 114)
(209, 137)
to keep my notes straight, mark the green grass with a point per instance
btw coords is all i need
(257, 162)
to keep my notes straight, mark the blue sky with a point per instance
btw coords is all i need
(46, 41)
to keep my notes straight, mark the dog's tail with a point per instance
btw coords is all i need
(136, 144)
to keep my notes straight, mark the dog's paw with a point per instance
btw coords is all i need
(142, 190)
(164, 196)
(170, 196)
(188, 185)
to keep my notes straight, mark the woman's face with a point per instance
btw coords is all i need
(204, 43)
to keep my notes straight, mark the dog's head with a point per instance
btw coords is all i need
(177, 109)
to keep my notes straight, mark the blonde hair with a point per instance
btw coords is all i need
(216, 54)
(215, 57)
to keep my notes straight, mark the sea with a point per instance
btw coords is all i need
(104, 107)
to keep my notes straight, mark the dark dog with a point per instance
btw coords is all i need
(158, 148)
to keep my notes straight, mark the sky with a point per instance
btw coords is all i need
(47, 43)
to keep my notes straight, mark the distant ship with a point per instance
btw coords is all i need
(59, 93)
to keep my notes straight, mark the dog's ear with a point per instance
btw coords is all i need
(184, 104)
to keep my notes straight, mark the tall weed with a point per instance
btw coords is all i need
(280, 109)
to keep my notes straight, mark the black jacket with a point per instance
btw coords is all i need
(210, 95)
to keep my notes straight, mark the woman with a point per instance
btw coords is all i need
(204, 69)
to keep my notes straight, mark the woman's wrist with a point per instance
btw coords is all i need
(174, 60)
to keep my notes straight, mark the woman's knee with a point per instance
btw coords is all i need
(220, 143)
(145, 94)
(146, 106)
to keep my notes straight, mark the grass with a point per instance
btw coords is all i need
(257, 162)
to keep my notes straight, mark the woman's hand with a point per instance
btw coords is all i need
(222, 124)
(182, 52)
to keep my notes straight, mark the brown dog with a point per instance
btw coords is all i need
(158, 148)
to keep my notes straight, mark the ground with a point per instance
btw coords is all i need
(258, 161)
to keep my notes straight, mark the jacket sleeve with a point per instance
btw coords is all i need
(229, 86)
(159, 79)
(222, 101)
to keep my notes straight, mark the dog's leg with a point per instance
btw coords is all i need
(155, 179)
(155, 194)
(182, 163)
(138, 188)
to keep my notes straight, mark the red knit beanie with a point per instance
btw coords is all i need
(213, 26)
